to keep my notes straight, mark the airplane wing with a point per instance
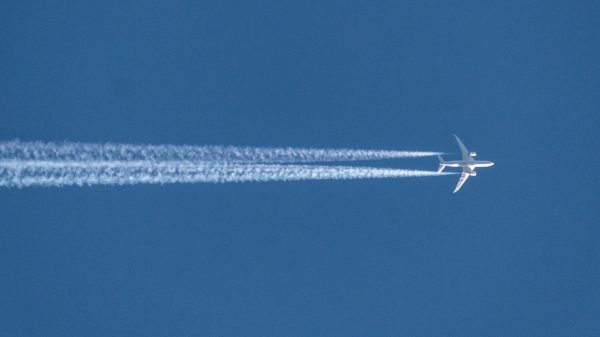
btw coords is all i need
(463, 178)
(465, 153)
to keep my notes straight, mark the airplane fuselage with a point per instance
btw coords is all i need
(472, 164)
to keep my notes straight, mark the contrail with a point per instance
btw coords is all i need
(31, 173)
(24, 164)
(229, 154)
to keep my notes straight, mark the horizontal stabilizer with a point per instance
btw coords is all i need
(442, 166)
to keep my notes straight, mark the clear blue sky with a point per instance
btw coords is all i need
(515, 253)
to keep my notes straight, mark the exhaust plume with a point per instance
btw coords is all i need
(24, 174)
(24, 164)
(115, 151)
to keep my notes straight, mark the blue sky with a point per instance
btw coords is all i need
(515, 253)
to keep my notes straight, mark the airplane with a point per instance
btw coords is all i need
(467, 163)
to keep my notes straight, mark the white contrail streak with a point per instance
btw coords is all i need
(32, 173)
(50, 164)
(229, 154)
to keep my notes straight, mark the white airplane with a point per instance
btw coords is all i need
(467, 163)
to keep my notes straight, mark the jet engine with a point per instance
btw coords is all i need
(472, 173)
(473, 154)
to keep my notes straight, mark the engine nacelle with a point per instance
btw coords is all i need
(473, 154)
(472, 173)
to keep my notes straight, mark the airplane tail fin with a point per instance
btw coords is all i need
(442, 166)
